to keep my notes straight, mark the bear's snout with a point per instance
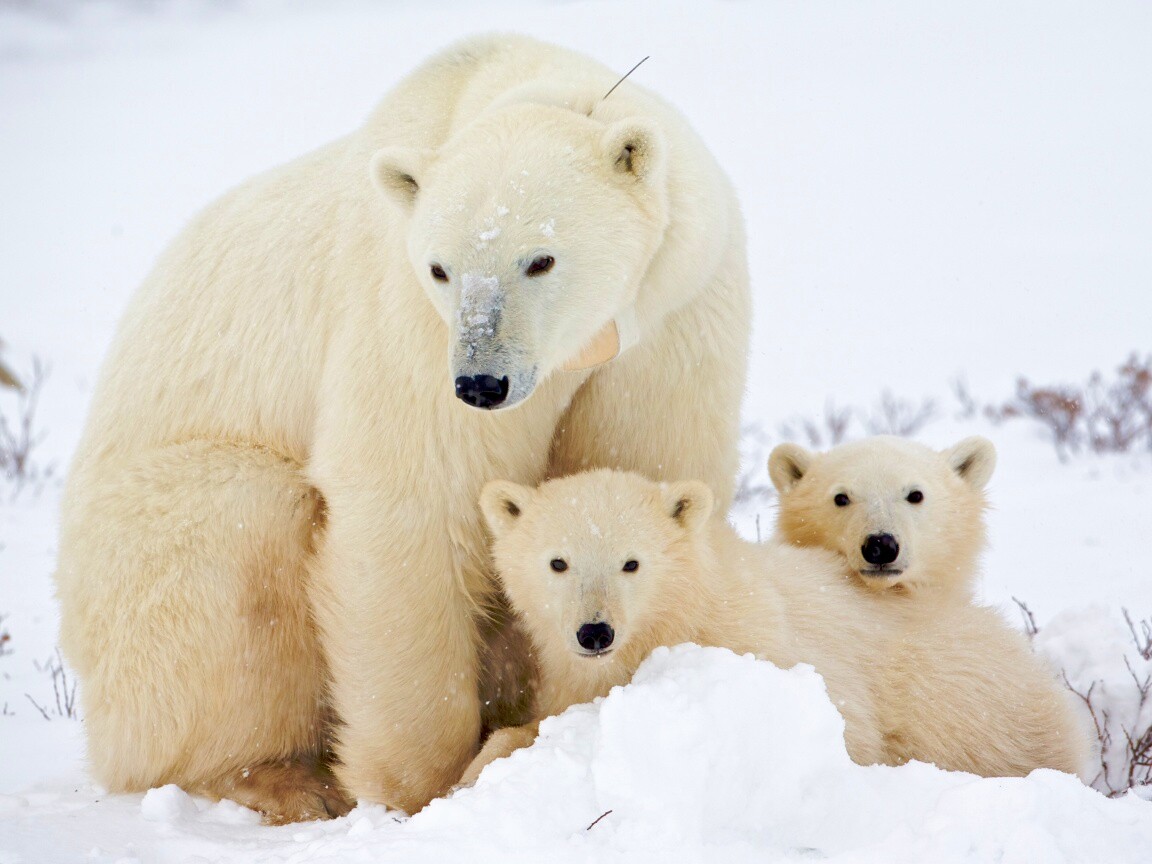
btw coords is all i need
(595, 638)
(482, 391)
(880, 550)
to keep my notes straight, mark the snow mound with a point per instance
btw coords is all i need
(171, 804)
(705, 756)
(708, 755)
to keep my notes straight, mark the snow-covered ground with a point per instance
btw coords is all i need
(931, 191)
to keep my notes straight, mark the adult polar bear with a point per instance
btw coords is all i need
(271, 518)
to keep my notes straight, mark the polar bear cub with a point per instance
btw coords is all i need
(604, 566)
(906, 518)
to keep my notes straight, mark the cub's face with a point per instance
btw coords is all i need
(588, 561)
(530, 232)
(900, 513)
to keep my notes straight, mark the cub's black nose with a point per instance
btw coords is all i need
(595, 637)
(482, 391)
(880, 549)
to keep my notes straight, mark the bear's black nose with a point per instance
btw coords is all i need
(595, 637)
(880, 549)
(482, 391)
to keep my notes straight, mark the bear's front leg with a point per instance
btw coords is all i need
(500, 744)
(398, 631)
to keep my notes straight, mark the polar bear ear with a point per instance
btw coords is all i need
(689, 502)
(396, 172)
(635, 149)
(974, 459)
(503, 502)
(787, 465)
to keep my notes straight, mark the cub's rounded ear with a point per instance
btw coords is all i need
(635, 149)
(396, 171)
(503, 502)
(974, 459)
(787, 465)
(689, 502)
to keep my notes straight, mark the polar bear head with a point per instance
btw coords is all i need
(593, 562)
(904, 516)
(530, 230)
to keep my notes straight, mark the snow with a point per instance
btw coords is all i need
(481, 302)
(486, 235)
(755, 756)
(930, 191)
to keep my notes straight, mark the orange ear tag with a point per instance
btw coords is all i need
(604, 346)
(617, 336)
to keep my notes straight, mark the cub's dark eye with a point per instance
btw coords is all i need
(438, 273)
(915, 497)
(631, 566)
(558, 564)
(841, 500)
(540, 265)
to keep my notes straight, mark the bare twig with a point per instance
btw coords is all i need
(18, 435)
(38, 706)
(65, 692)
(968, 404)
(1129, 763)
(623, 78)
(597, 819)
(1144, 639)
(894, 416)
(1029, 619)
(1103, 735)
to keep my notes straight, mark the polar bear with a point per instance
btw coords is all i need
(604, 566)
(270, 555)
(907, 519)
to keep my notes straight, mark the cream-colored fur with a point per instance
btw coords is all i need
(867, 489)
(959, 689)
(271, 520)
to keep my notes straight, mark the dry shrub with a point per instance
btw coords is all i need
(63, 690)
(1100, 416)
(19, 436)
(893, 416)
(1120, 709)
(5, 638)
(752, 483)
(828, 430)
(1125, 754)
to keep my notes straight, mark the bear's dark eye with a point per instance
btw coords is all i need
(540, 265)
(631, 566)
(438, 273)
(915, 497)
(558, 564)
(841, 500)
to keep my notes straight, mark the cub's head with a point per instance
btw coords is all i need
(530, 231)
(592, 561)
(903, 515)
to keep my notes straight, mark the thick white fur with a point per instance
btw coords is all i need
(940, 538)
(271, 516)
(959, 689)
